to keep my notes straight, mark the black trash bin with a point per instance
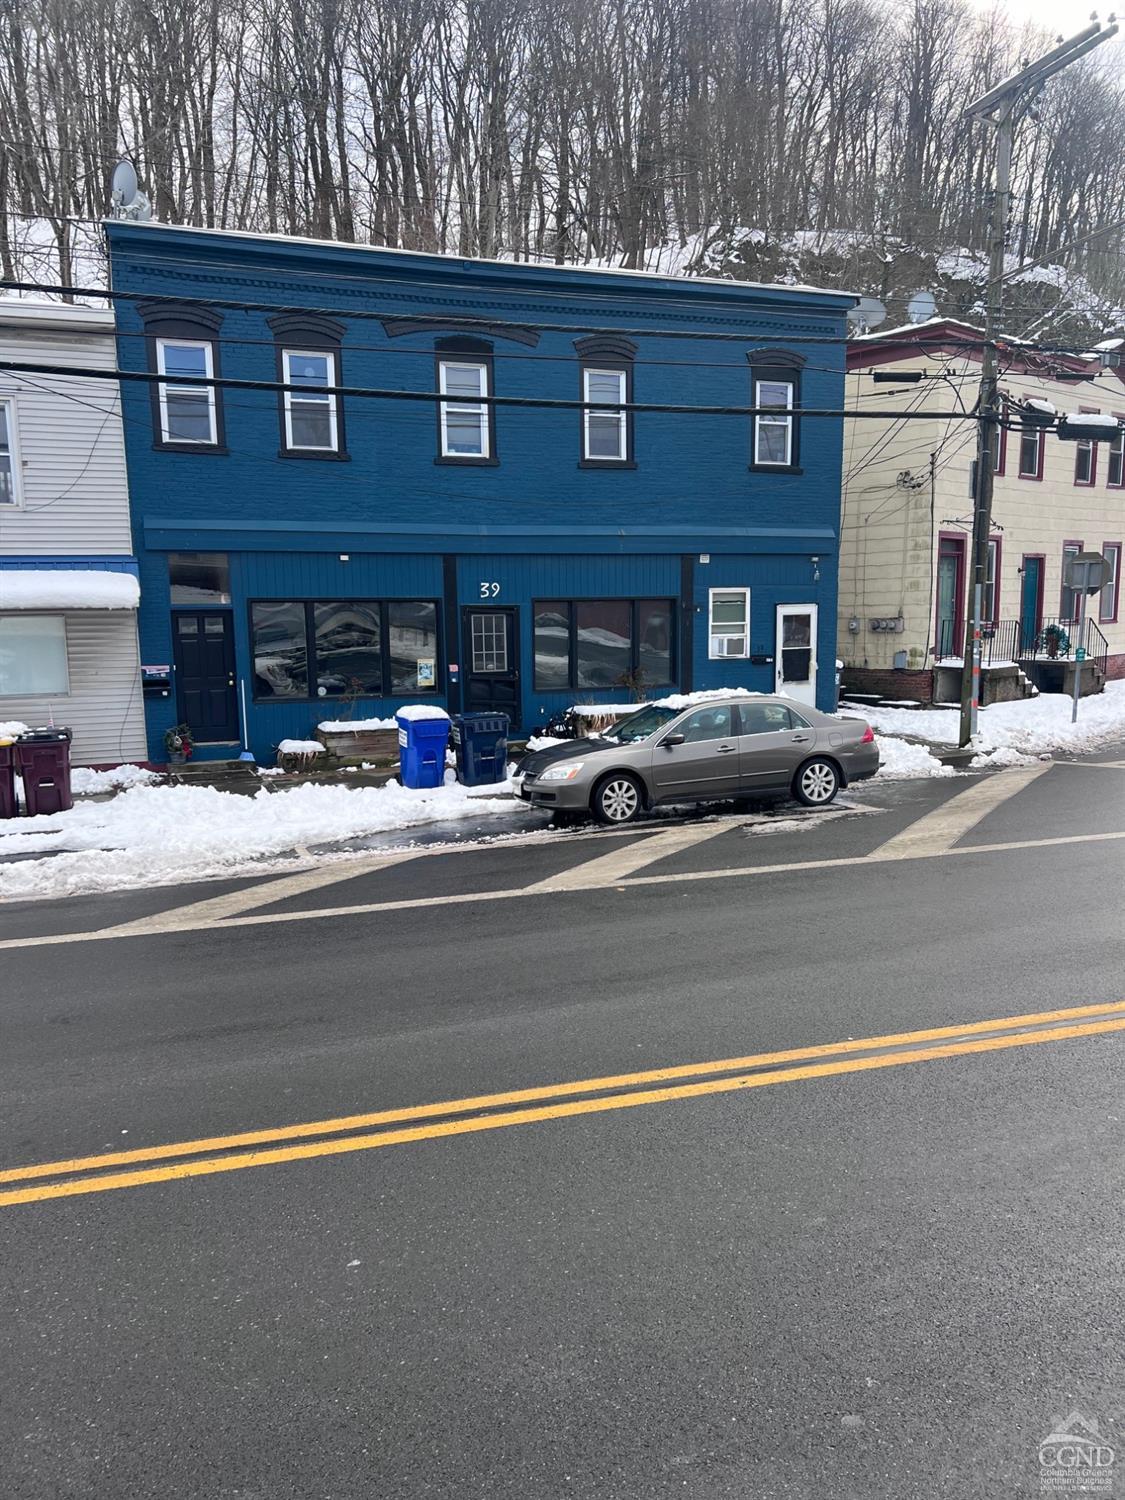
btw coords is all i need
(43, 760)
(8, 805)
(480, 743)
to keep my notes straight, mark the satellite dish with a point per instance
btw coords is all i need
(923, 305)
(123, 185)
(868, 313)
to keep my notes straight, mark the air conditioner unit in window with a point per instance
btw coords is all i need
(728, 645)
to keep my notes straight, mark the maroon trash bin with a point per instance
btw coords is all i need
(8, 807)
(43, 760)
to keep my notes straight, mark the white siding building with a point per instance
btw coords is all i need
(906, 527)
(68, 590)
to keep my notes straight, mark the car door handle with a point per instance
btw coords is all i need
(727, 749)
(801, 739)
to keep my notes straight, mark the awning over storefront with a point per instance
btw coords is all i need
(67, 588)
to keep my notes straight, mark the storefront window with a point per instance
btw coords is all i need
(552, 646)
(654, 640)
(348, 655)
(280, 650)
(603, 642)
(413, 641)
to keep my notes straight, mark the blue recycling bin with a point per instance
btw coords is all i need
(480, 742)
(421, 750)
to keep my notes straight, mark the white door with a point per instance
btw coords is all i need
(795, 652)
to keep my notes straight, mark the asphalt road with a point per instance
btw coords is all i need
(860, 1275)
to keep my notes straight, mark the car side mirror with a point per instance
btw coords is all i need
(675, 738)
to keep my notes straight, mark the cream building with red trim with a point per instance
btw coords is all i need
(907, 508)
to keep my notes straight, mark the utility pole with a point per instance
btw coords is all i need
(1000, 108)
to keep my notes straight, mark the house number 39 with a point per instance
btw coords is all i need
(490, 590)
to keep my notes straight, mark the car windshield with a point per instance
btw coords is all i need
(640, 725)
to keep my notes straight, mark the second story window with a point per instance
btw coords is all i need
(1085, 460)
(605, 435)
(187, 412)
(9, 463)
(605, 388)
(310, 415)
(308, 357)
(183, 346)
(1031, 453)
(775, 391)
(466, 420)
(1116, 476)
(464, 417)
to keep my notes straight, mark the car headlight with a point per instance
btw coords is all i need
(566, 772)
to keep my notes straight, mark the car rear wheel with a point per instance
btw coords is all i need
(816, 783)
(618, 799)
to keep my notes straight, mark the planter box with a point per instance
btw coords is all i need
(360, 744)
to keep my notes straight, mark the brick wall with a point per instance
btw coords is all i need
(892, 684)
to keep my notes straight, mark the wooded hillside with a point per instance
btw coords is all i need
(565, 129)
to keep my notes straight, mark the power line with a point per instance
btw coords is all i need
(550, 403)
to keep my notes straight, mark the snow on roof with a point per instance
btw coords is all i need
(67, 588)
(1038, 404)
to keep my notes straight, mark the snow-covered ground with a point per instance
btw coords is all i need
(1012, 733)
(161, 835)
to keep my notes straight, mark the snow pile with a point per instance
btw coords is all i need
(84, 782)
(161, 835)
(342, 726)
(68, 588)
(300, 747)
(544, 742)
(1034, 726)
(1004, 755)
(899, 759)
(10, 728)
(416, 712)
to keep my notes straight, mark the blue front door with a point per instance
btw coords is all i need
(1031, 594)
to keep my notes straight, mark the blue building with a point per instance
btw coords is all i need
(308, 555)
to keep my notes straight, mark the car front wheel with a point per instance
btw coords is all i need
(816, 783)
(618, 799)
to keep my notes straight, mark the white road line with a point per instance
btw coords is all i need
(937, 832)
(1093, 765)
(463, 898)
(235, 903)
(611, 868)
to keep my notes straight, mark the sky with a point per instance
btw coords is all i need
(1061, 17)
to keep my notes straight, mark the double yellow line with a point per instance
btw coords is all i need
(317, 1138)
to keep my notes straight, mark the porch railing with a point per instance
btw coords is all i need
(1059, 639)
(1000, 642)
(1005, 642)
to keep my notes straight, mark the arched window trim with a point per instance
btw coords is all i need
(166, 321)
(294, 331)
(785, 367)
(609, 353)
(465, 348)
(397, 328)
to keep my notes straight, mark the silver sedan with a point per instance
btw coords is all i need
(725, 746)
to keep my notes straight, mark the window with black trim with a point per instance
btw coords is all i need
(603, 643)
(605, 389)
(366, 648)
(308, 360)
(775, 389)
(466, 418)
(183, 348)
